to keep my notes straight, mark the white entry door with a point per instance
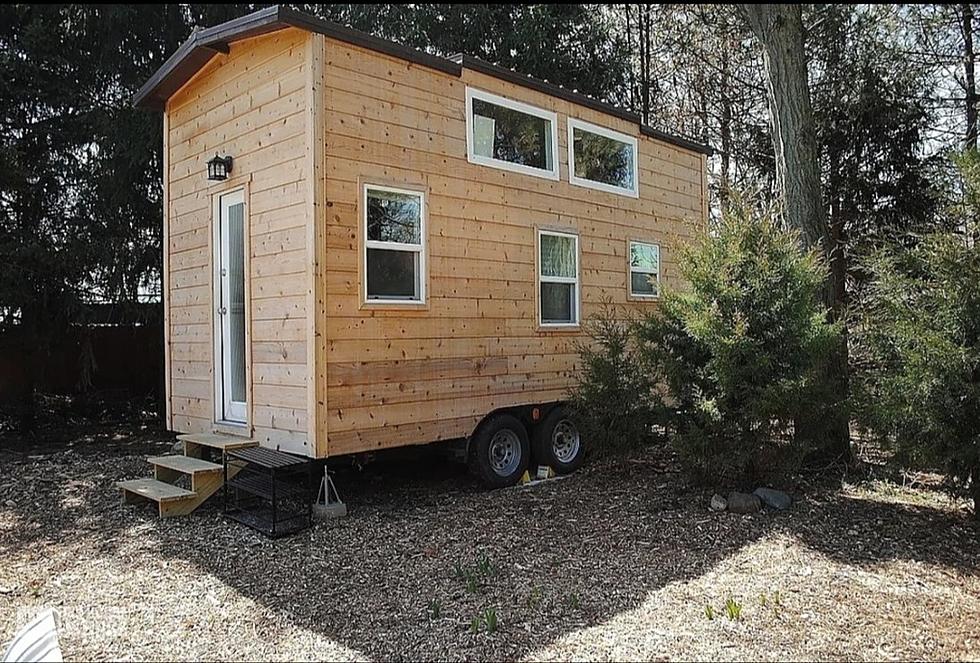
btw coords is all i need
(229, 360)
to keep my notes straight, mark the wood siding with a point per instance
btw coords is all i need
(253, 104)
(398, 375)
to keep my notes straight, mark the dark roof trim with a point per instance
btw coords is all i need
(199, 48)
(202, 45)
(356, 37)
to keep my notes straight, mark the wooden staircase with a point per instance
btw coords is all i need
(200, 468)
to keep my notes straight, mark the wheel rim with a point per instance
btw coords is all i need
(505, 452)
(565, 441)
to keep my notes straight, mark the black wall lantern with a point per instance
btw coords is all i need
(219, 167)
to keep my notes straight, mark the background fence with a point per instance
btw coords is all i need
(117, 354)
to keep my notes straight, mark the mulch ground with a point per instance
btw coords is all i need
(622, 560)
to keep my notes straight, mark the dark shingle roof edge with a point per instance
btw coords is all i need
(203, 44)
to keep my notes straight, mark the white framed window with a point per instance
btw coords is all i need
(644, 269)
(508, 134)
(558, 279)
(394, 245)
(603, 159)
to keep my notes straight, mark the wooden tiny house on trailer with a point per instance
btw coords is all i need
(405, 246)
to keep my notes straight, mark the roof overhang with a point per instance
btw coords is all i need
(202, 45)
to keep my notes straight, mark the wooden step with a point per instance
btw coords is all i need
(194, 443)
(171, 500)
(184, 464)
(203, 475)
(156, 491)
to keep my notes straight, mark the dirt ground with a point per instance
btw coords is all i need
(620, 561)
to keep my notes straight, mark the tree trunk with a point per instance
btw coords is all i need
(644, 40)
(969, 78)
(629, 49)
(779, 28)
(725, 127)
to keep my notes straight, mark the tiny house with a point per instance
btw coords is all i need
(367, 246)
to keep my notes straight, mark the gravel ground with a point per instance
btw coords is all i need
(619, 561)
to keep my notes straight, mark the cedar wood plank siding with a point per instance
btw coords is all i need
(395, 375)
(253, 104)
(310, 120)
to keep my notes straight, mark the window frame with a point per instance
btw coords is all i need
(577, 281)
(419, 248)
(497, 100)
(575, 123)
(630, 270)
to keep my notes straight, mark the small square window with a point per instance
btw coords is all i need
(394, 252)
(644, 270)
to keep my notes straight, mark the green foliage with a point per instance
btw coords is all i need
(733, 609)
(614, 400)
(774, 602)
(916, 336)
(709, 612)
(964, 210)
(486, 620)
(573, 45)
(435, 609)
(872, 119)
(80, 209)
(474, 575)
(484, 566)
(490, 619)
(739, 350)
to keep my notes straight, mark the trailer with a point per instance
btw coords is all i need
(368, 246)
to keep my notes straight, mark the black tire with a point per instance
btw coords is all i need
(494, 450)
(553, 446)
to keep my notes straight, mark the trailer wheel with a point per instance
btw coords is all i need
(500, 451)
(558, 443)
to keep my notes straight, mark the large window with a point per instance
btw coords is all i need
(394, 247)
(602, 159)
(644, 270)
(558, 295)
(508, 134)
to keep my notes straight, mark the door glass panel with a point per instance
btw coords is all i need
(236, 301)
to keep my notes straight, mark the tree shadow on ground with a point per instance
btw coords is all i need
(424, 551)
(866, 532)
(64, 481)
